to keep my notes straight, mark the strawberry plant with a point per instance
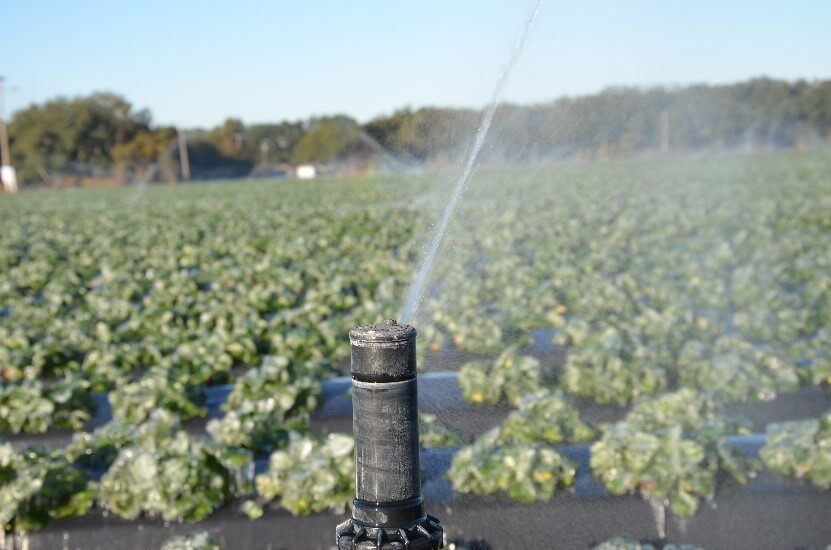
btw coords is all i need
(268, 405)
(432, 433)
(800, 449)
(669, 448)
(37, 486)
(545, 417)
(309, 476)
(525, 472)
(135, 401)
(516, 457)
(166, 473)
(95, 452)
(609, 367)
(510, 376)
(735, 370)
(34, 407)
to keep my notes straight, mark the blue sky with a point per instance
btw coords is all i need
(193, 63)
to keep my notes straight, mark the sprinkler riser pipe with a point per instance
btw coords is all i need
(388, 511)
(385, 425)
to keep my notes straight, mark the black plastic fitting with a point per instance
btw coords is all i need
(388, 510)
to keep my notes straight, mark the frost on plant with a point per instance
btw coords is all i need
(511, 376)
(257, 427)
(735, 370)
(669, 448)
(516, 458)
(34, 407)
(544, 417)
(167, 473)
(135, 401)
(95, 452)
(800, 449)
(525, 472)
(612, 367)
(309, 476)
(432, 433)
(815, 355)
(201, 540)
(698, 414)
(267, 405)
(37, 486)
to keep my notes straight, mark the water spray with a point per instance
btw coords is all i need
(388, 510)
(416, 291)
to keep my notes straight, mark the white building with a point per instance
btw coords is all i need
(9, 178)
(305, 172)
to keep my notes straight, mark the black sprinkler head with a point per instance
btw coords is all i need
(388, 509)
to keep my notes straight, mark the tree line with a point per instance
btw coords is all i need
(105, 134)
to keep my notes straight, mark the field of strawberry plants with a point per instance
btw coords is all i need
(654, 336)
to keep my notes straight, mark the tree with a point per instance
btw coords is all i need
(72, 134)
(329, 139)
(227, 137)
(146, 146)
(94, 133)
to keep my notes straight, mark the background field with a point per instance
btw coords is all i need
(605, 284)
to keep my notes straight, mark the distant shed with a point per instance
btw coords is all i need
(306, 172)
(9, 179)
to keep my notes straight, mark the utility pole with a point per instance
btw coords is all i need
(7, 173)
(264, 146)
(665, 131)
(282, 145)
(183, 154)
